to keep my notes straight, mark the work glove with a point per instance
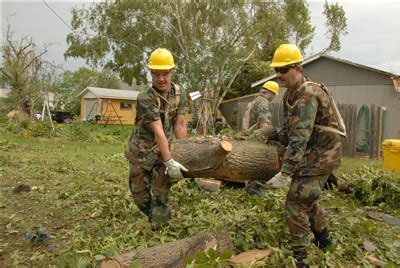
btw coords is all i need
(278, 181)
(174, 169)
(267, 133)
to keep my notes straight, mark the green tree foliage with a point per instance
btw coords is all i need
(252, 71)
(295, 28)
(73, 82)
(300, 30)
(211, 40)
(336, 23)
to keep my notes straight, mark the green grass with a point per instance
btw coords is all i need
(80, 196)
(352, 164)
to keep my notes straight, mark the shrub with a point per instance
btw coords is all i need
(373, 186)
(78, 131)
(17, 123)
(38, 129)
(104, 138)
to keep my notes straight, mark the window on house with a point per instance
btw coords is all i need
(126, 106)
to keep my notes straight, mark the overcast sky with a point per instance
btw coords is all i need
(373, 37)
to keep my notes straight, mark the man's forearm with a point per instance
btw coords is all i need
(181, 132)
(180, 128)
(161, 139)
(163, 146)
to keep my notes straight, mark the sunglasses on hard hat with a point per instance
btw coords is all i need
(283, 70)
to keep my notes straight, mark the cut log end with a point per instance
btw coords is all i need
(112, 263)
(226, 146)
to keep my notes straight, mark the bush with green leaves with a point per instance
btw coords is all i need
(373, 186)
(38, 129)
(101, 137)
(77, 131)
(17, 123)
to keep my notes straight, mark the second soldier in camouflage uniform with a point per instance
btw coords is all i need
(257, 116)
(160, 111)
(312, 129)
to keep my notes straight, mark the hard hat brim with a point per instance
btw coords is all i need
(270, 90)
(283, 64)
(160, 67)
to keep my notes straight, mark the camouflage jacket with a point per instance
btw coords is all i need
(151, 106)
(310, 150)
(257, 112)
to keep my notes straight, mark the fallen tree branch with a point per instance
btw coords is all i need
(171, 254)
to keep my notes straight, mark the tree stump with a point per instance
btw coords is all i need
(226, 158)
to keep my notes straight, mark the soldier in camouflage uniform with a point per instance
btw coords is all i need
(257, 116)
(160, 114)
(312, 132)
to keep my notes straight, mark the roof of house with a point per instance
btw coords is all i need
(108, 93)
(321, 55)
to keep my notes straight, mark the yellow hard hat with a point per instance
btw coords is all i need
(272, 86)
(286, 54)
(161, 59)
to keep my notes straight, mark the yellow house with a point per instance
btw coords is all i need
(108, 106)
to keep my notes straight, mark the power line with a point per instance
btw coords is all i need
(74, 31)
(58, 16)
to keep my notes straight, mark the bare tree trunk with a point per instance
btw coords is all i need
(227, 158)
(171, 254)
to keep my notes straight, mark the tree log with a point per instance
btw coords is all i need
(227, 158)
(171, 254)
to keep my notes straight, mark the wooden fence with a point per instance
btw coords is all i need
(349, 115)
(364, 125)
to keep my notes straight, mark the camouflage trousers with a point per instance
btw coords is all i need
(302, 210)
(150, 191)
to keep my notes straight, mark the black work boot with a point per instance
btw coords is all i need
(322, 239)
(300, 256)
(331, 182)
(255, 188)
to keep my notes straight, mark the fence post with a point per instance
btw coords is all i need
(346, 117)
(353, 135)
(378, 133)
(372, 132)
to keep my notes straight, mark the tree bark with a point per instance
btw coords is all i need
(227, 158)
(171, 254)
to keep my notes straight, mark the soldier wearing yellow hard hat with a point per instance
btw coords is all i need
(160, 115)
(257, 116)
(312, 134)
